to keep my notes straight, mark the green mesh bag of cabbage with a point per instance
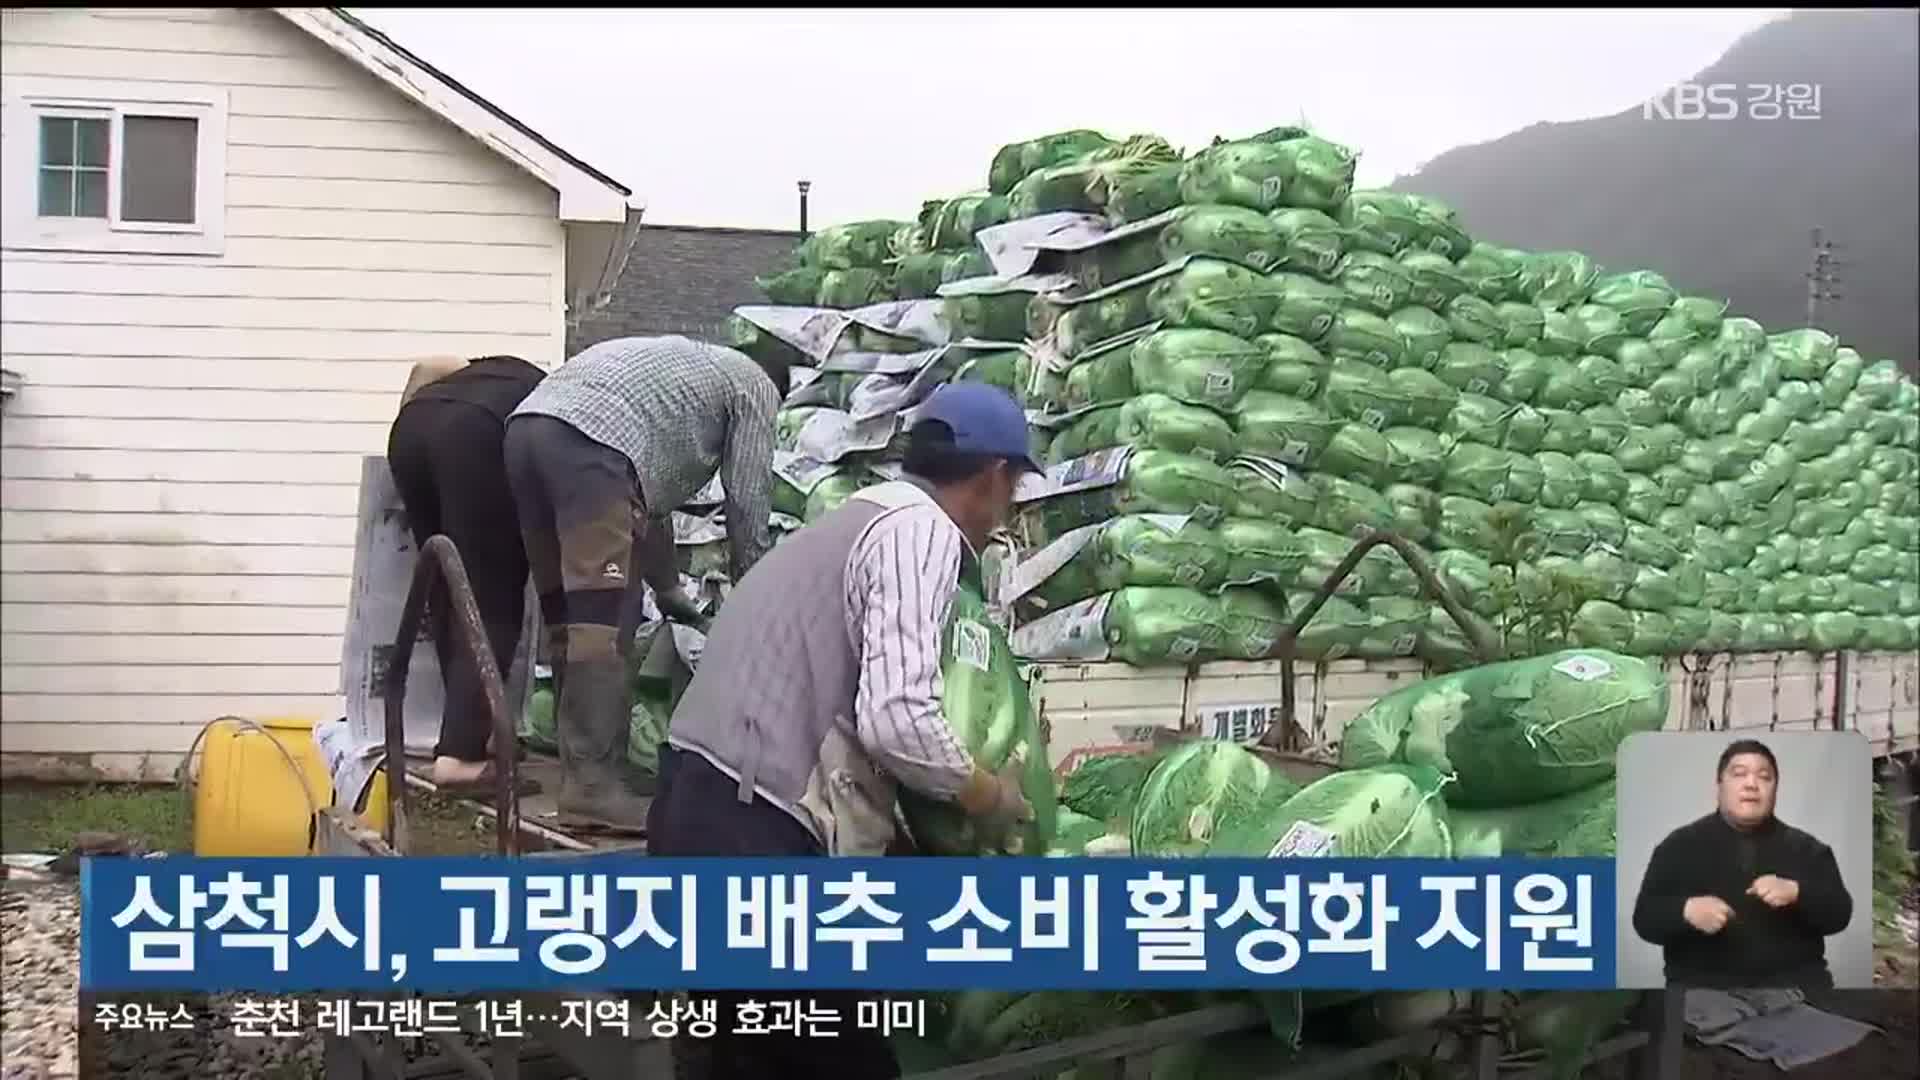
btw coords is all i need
(1580, 824)
(1123, 551)
(1148, 482)
(538, 730)
(1199, 789)
(989, 711)
(1517, 731)
(1391, 810)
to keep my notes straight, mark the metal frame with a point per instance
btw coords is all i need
(1124, 1053)
(1285, 735)
(439, 563)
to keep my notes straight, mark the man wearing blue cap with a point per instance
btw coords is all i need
(819, 690)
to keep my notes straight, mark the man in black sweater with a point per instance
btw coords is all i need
(1740, 899)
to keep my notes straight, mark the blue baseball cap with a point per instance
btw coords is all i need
(984, 419)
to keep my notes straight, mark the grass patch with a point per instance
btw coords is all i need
(38, 817)
(1893, 864)
(442, 827)
(46, 817)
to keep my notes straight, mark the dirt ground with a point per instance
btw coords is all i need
(1894, 1052)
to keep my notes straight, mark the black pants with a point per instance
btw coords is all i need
(446, 460)
(697, 811)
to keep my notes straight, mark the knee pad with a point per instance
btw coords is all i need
(591, 641)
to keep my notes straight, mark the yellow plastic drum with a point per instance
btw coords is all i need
(260, 783)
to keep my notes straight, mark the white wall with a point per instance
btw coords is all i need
(177, 485)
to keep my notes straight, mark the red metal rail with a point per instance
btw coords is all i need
(440, 563)
(1283, 735)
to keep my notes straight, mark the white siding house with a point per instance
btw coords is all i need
(227, 234)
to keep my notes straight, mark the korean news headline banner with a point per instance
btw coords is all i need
(624, 922)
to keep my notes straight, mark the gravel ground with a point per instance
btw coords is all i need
(39, 956)
(41, 1037)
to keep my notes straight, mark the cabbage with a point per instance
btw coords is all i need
(1531, 829)
(1294, 367)
(1200, 789)
(1016, 161)
(1214, 294)
(1289, 499)
(1223, 232)
(1251, 623)
(1259, 550)
(1136, 551)
(1199, 367)
(1310, 241)
(1148, 422)
(1517, 731)
(1364, 813)
(1248, 174)
(1283, 428)
(987, 707)
(1148, 626)
(1303, 306)
(1104, 788)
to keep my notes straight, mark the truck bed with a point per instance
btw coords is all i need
(1087, 705)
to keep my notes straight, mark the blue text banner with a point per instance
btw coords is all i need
(626, 922)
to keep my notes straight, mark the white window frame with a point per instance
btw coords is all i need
(30, 98)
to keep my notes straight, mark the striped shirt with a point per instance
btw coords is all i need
(680, 410)
(901, 579)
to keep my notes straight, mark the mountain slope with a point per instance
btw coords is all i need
(1726, 207)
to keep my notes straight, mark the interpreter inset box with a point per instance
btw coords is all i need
(1745, 860)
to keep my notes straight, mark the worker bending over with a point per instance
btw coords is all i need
(599, 456)
(445, 454)
(820, 688)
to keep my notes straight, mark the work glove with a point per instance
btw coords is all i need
(676, 606)
(995, 799)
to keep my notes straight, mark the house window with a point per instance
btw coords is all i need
(120, 167)
(73, 166)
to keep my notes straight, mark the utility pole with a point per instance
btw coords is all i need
(1822, 277)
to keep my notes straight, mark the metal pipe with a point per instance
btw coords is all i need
(440, 562)
(1485, 648)
(1840, 690)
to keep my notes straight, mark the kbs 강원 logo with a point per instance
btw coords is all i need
(1726, 101)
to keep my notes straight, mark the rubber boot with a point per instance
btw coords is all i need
(592, 718)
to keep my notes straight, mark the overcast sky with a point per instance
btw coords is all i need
(710, 116)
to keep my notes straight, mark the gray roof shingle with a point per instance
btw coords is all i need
(685, 279)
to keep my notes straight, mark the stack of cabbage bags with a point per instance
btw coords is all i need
(940, 248)
(1592, 458)
(856, 376)
(1293, 363)
(868, 344)
(847, 266)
